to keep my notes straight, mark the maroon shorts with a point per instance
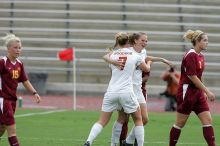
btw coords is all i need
(7, 112)
(194, 100)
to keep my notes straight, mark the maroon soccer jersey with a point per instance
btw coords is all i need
(11, 75)
(192, 64)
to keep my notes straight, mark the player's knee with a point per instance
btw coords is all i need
(207, 121)
(122, 119)
(103, 122)
(138, 121)
(179, 124)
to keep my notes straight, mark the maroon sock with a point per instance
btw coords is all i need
(13, 141)
(209, 136)
(174, 136)
(124, 131)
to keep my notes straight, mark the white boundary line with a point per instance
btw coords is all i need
(40, 113)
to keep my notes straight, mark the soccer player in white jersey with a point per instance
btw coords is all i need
(120, 90)
(138, 41)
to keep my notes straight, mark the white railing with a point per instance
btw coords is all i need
(37, 11)
(151, 5)
(101, 21)
(99, 31)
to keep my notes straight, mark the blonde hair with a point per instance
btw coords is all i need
(121, 38)
(9, 38)
(193, 35)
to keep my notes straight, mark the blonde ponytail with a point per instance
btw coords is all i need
(192, 35)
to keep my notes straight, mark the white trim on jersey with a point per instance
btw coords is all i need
(190, 51)
(185, 86)
(1, 103)
(17, 60)
(5, 59)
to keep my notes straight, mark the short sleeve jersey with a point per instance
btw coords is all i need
(137, 79)
(192, 64)
(10, 75)
(121, 79)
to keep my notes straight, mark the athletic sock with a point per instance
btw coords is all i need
(208, 134)
(13, 141)
(131, 137)
(174, 135)
(139, 135)
(96, 129)
(116, 131)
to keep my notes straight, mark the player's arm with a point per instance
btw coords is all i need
(107, 59)
(30, 88)
(158, 59)
(201, 86)
(145, 67)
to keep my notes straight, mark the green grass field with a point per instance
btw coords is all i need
(69, 128)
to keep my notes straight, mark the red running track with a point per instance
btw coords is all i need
(94, 103)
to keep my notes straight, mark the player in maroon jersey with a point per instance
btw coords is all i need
(11, 73)
(192, 94)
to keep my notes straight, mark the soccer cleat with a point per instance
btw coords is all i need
(87, 144)
(126, 144)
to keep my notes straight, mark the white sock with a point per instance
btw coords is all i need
(131, 137)
(139, 135)
(116, 132)
(96, 129)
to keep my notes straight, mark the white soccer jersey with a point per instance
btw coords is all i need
(121, 80)
(137, 78)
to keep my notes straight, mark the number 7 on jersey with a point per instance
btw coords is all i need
(123, 60)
